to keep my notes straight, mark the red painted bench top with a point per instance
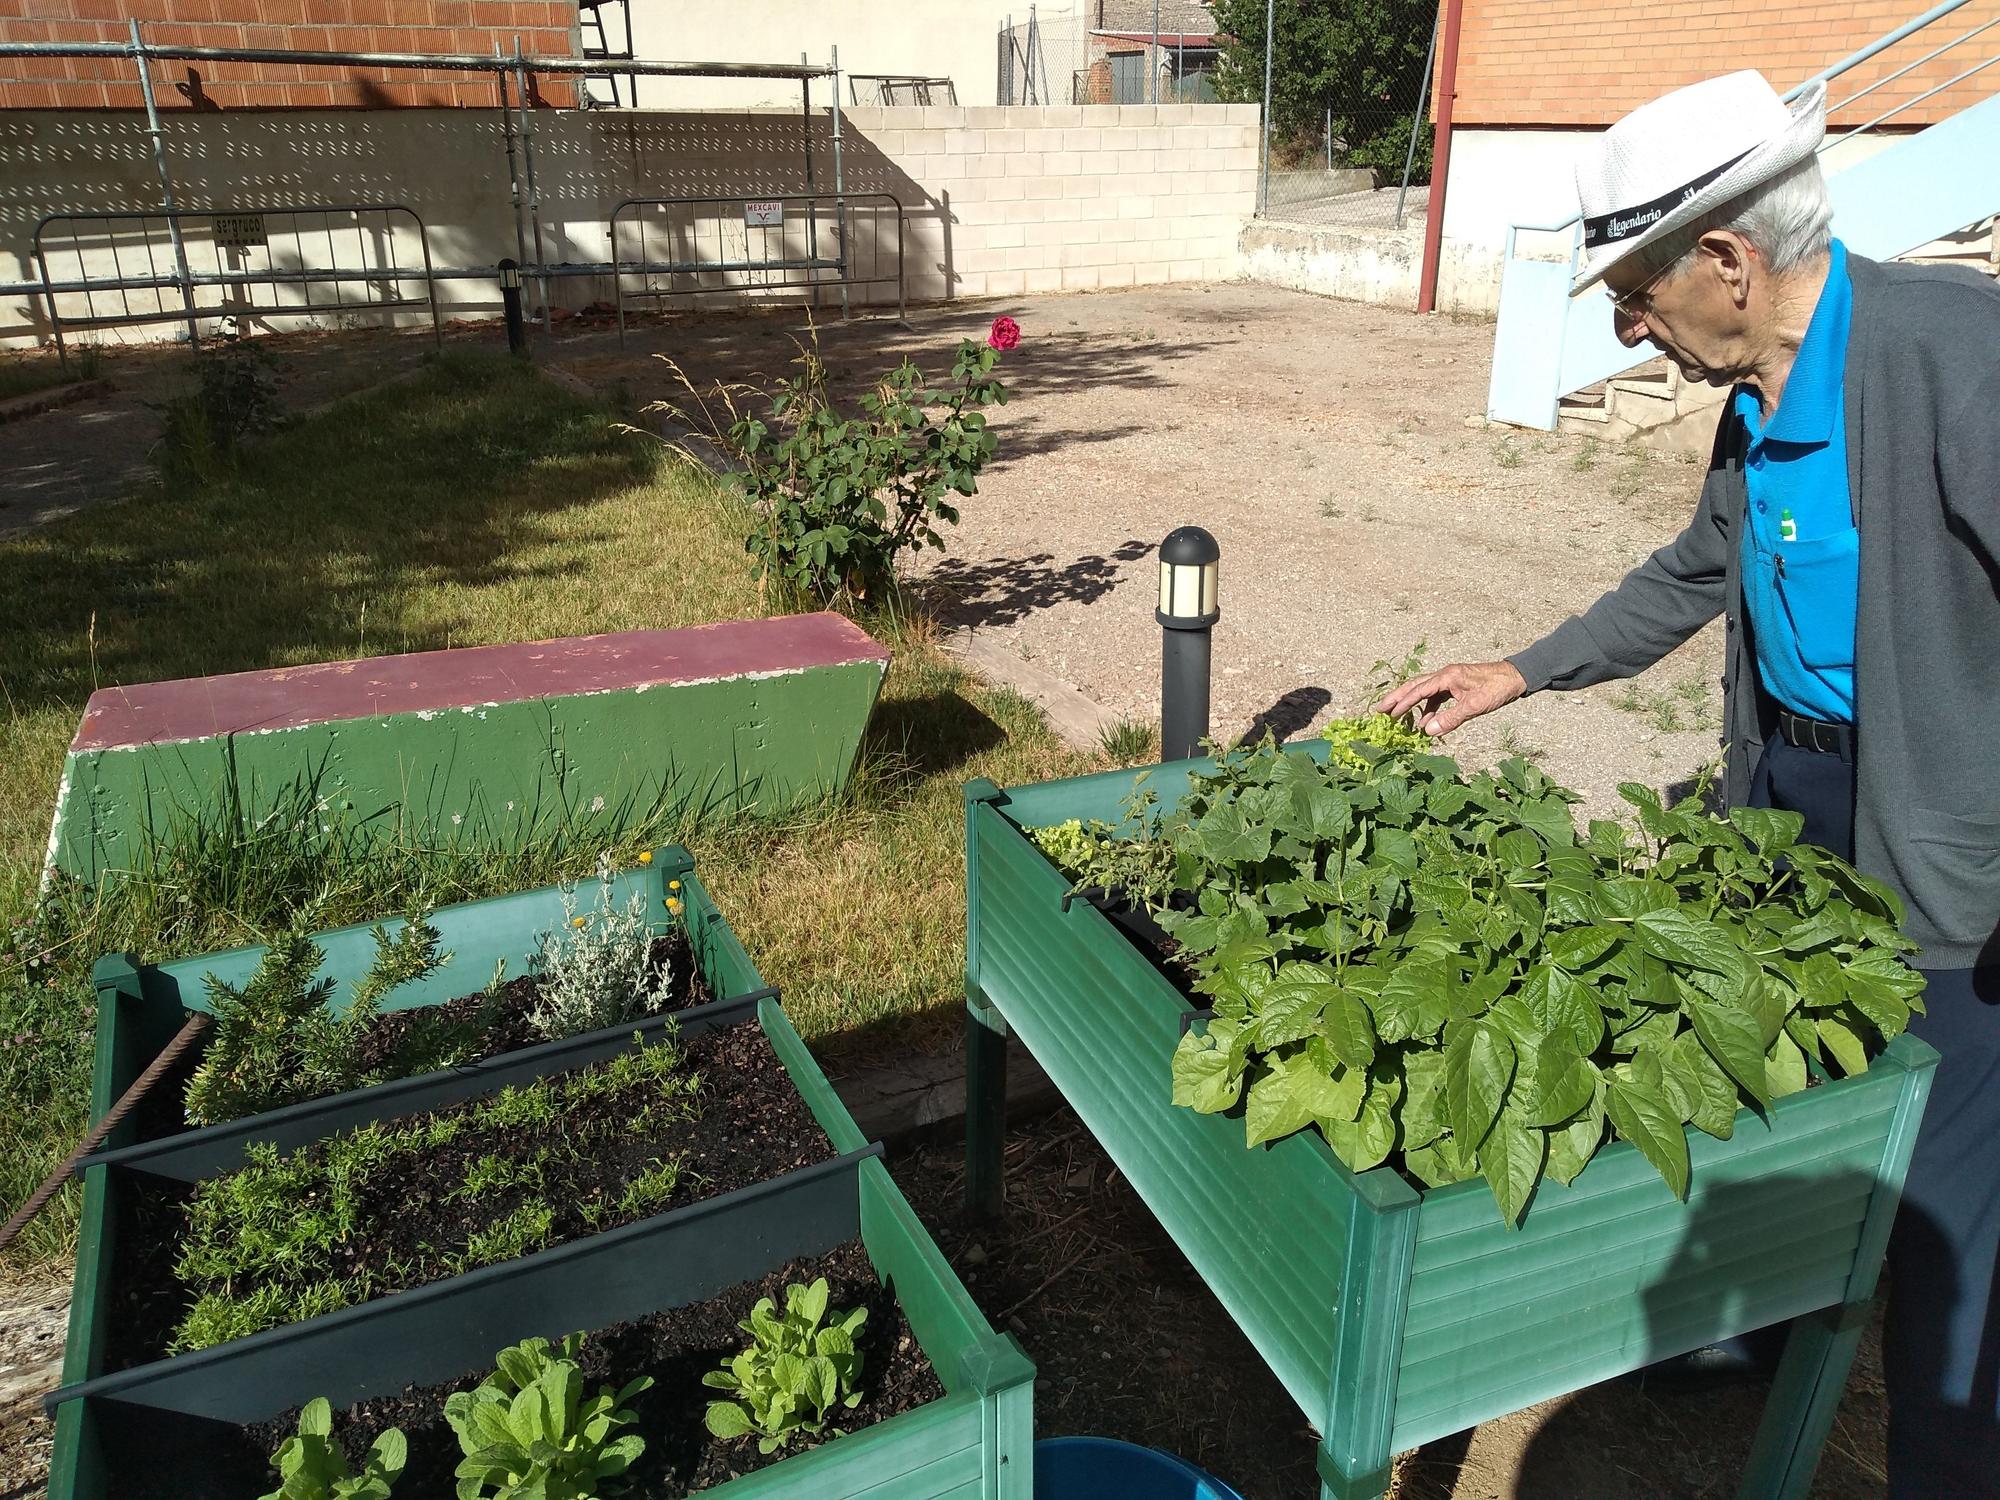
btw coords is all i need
(285, 698)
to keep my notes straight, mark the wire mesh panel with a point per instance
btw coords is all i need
(900, 88)
(729, 251)
(1110, 52)
(1349, 112)
(250, 269)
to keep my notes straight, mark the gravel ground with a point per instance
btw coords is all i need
(1326, 446)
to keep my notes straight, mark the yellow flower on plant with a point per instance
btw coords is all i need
(645, 856)
(673, 906)
(578, 921)
(673, 885)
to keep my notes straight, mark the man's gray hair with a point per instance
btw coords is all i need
(1788, 219)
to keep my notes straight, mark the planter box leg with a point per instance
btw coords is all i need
(1804, 1395)
(1335, 1485)
(985, 1108)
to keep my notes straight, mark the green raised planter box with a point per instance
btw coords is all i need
(975, 1441)
(1394, 1316)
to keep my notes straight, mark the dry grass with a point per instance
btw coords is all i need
(477, 504)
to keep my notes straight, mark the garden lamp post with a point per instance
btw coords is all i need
(510, 300)
(1187, 612)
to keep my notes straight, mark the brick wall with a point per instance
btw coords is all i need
(544, 27)
(1587, 62)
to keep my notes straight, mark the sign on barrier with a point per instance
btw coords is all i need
(766, 213)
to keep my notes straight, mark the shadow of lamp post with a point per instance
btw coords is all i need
(1187, 612)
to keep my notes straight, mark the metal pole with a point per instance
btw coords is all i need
(1328, 137)
(839, 188)
(1417, 124)
(1153, 57)
(1270, 46)
(513, 171)
(166, 185)
(534, 197)
(812, 212)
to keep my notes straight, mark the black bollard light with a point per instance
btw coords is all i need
(510, 299)
(1189, 565)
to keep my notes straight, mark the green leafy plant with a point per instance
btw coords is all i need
(596, 969)
(800, 1368)
(528, 1432)
(203, 428)
(1101, 856)
(838, 496)
(274, 1042)
(312, 1467)
(1378, 730)
(1419, 962)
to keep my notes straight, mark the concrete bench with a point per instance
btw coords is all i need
(499, 744)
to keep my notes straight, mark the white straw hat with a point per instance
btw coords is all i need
(1671, 161)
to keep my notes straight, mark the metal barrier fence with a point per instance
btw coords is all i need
(900, 88)
(1347, 131)
(284, 251)
(756, 245)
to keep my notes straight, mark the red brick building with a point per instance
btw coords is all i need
(1583, 63)
(544, 27)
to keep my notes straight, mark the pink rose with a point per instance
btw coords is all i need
(1006, 334)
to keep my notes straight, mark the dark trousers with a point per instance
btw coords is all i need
(1941, 1343)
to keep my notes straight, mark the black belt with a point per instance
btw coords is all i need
(1814, 734)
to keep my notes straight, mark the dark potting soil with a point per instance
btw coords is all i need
(676, 1348)
(752, 1126)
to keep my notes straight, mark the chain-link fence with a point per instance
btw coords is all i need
(1348, 125)
(1111, 52)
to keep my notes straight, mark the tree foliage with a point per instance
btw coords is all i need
(1361, 59)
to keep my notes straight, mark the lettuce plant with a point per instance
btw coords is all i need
(312, 1466)
(529, 1433)
(800, 1368)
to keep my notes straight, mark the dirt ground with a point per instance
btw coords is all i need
(1129, 1343)
(1326, 445)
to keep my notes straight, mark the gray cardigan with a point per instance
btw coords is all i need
(1923, 447)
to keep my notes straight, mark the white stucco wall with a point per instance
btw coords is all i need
(955, 39)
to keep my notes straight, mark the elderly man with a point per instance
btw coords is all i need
(1849, 534)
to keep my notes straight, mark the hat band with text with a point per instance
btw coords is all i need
(1623, 223)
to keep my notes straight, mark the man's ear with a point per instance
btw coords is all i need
(1732, 257)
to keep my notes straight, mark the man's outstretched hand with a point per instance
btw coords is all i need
(1451, 695)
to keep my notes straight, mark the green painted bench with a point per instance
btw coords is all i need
(1394, 1316)
(589, 736)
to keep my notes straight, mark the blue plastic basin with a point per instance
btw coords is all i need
(1087, 1468)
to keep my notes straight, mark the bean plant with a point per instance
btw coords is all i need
(1437, 967)
(801, 1368)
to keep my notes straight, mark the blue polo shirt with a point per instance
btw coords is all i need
(1801, 551)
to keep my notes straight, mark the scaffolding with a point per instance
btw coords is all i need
(511, 76)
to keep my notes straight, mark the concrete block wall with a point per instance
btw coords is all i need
(994, 201)
(1075, 197)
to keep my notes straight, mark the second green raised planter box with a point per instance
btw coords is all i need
(1391, 1315)
(973, 1438)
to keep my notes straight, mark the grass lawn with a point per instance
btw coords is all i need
(22, 374)
(480, 503)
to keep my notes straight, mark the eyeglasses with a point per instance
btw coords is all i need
(1639, 301)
